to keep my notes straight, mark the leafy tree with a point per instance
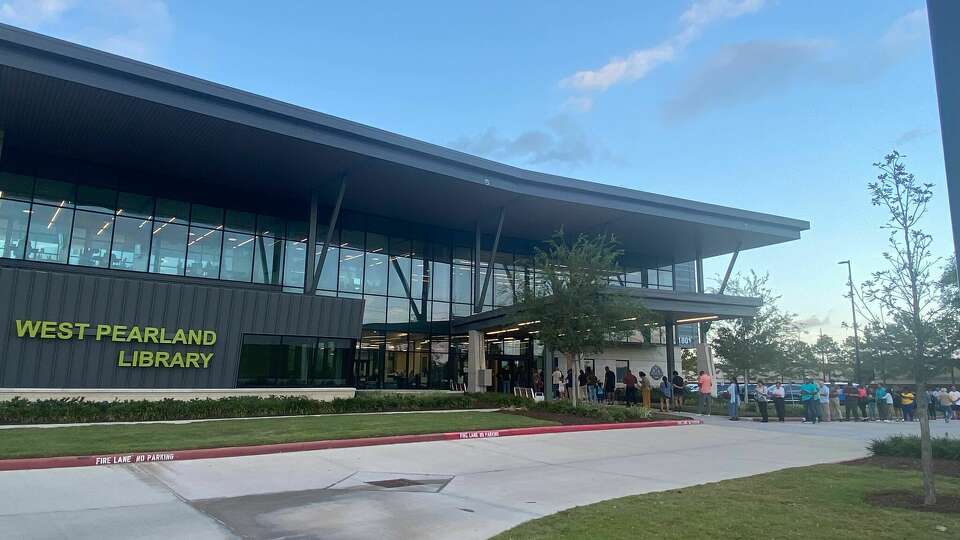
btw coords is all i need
(830, 360)
(905, 288)
(577, 312)
(757, 345)
(688, 362)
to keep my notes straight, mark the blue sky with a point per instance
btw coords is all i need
(773, 106)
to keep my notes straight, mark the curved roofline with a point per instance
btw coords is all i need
(36, 51)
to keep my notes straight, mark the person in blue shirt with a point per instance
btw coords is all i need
(810, 396)
(882, 408)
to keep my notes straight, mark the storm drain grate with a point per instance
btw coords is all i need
(373, 481)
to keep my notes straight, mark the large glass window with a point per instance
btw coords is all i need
(351, 270)
(131, 244)
(328, 274)
(168, 252)
(399, 276)
(203, 252)
(49, 235)
(54, 192)
(374, 309)
(96, 199)
(294, 361)
(237, 261)
(267, 260)
(294, 264)
(90, 243)
(440, 281)
(462, 277)
(134, 205)
(14, 216)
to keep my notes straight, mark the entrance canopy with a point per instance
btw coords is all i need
(674, 307)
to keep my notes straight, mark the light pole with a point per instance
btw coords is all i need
(853, 310)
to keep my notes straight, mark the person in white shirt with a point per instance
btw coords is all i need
(763, 396)
(557, 379)
(888, 399)
(779, 394)
(955, 399)
(825, 402)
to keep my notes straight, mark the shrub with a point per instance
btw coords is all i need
(604, 413)
(79, 410)
(908, 446)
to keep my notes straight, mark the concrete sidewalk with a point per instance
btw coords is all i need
(457, 489)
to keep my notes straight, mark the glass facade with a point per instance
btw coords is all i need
(414, 279)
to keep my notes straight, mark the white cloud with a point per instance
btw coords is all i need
(32, 13)
(133, 28)
(639, 63)
(561, 141)
(753, 70)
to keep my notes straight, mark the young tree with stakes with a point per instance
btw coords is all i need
(905, 288)
(578, 313)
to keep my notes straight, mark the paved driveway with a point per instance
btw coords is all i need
(457, 489)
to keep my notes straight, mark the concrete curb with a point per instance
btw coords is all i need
(236, 451)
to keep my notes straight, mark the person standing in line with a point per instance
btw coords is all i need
(880, 396)
(779, 394)
(810, 397)
(907, 404)
(836, 415)
(851, 403)
(557, 380)
(591, 385)
(646, 388)
(582, 385)
(679, 389)
(733, 405)
(933, 403)
(842, 399)
(706, 389)
(888, 402)
(955, 399)
(897, 404)
(630, 388)
(943, 399)
(871, 398)
(825, 402)
(763, 397)
(609, 385)
(862, 401)
(666, 394)
(569, 382)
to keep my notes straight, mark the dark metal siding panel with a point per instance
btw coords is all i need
(67, 296)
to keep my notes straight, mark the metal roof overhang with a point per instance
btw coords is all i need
(675, 306)
(77, 102)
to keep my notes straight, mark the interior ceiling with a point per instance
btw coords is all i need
(170, 145)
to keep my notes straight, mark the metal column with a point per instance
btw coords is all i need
(671, 351)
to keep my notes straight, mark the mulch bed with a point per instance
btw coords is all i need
(909, 500)
(945, 467)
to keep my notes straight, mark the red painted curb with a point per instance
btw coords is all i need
(235, 451)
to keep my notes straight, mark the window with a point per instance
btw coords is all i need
(54, 192)
(621, 366)
(328, 274)
(237, 259)
(294, 361)
(374, 309)
(294, 264)
(169, 249)
(131, 244)
(462, 277)
(440, 280)
(14, 216)
(206, 216)
(90, 243)
(49, 234)
(134, 205)
(267, 260)
(351, 270)
(203, 252)
(96, 199)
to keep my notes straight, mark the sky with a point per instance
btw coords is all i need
(773, 106)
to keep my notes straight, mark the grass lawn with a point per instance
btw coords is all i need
(824, 501)
(87, 440)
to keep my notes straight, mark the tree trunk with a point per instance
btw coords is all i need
(926, 448)
(572, 366)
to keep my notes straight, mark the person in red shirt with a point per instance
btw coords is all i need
(706, 389)
(630, 384)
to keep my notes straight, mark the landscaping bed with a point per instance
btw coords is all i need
(74, 410)
(108, 439)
